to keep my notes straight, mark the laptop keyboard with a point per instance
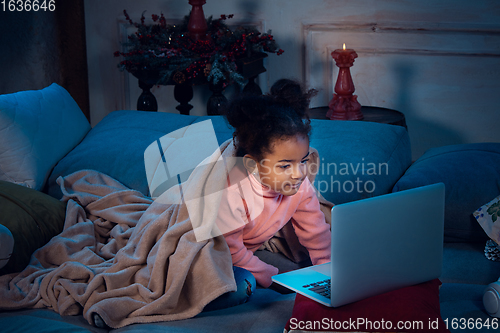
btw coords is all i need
(322, 287)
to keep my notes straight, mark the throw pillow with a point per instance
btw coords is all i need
(488, 217)
(32, 217)
(471, 175)
(37, 128)
(410, 309)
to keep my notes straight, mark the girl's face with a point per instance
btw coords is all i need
(285, 168)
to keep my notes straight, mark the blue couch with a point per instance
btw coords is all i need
(359, 159)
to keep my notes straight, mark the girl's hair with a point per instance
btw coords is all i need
(260, 120)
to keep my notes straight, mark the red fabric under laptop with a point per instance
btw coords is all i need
(410, 309)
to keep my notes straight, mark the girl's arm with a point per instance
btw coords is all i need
(311, 228)
(232, 219)
(244, 258)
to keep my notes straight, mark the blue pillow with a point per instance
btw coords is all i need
(358, 159)
(471, 174)
(37, 128)
(116, 146)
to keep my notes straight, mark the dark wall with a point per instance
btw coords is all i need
(40, 48)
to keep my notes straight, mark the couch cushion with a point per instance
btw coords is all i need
(358, 159)
(32, 217)
(266, 312)
(45, 320)
(463, 310)
(471, 175)
(466, 263)
(116, 146)
(356, 155)
(37, 128)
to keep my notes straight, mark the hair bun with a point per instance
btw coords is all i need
(291, 93)
(246, 109)
(259, 119)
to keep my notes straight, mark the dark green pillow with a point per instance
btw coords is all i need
(32, 217)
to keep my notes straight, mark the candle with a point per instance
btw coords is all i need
(344, 59)
(344, 105)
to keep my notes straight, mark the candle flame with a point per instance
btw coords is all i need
(344, 46)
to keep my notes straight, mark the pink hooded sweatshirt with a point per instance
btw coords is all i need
(250, 214)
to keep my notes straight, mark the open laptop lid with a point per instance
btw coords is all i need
(379, 244)
(386, 242)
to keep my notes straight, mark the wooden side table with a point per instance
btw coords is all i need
(370, 113)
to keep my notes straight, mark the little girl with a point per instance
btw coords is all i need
(272, 139)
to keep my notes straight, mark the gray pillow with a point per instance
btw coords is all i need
(32, 217)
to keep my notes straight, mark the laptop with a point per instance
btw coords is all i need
(379, 244)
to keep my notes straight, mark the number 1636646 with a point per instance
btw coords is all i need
(471, 323)
(28, 5)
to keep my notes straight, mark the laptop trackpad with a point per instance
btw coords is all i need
(323, 269)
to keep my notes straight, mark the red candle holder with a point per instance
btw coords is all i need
(344, 105)
(197, 25)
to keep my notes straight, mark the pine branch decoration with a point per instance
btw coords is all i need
(168, 50)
